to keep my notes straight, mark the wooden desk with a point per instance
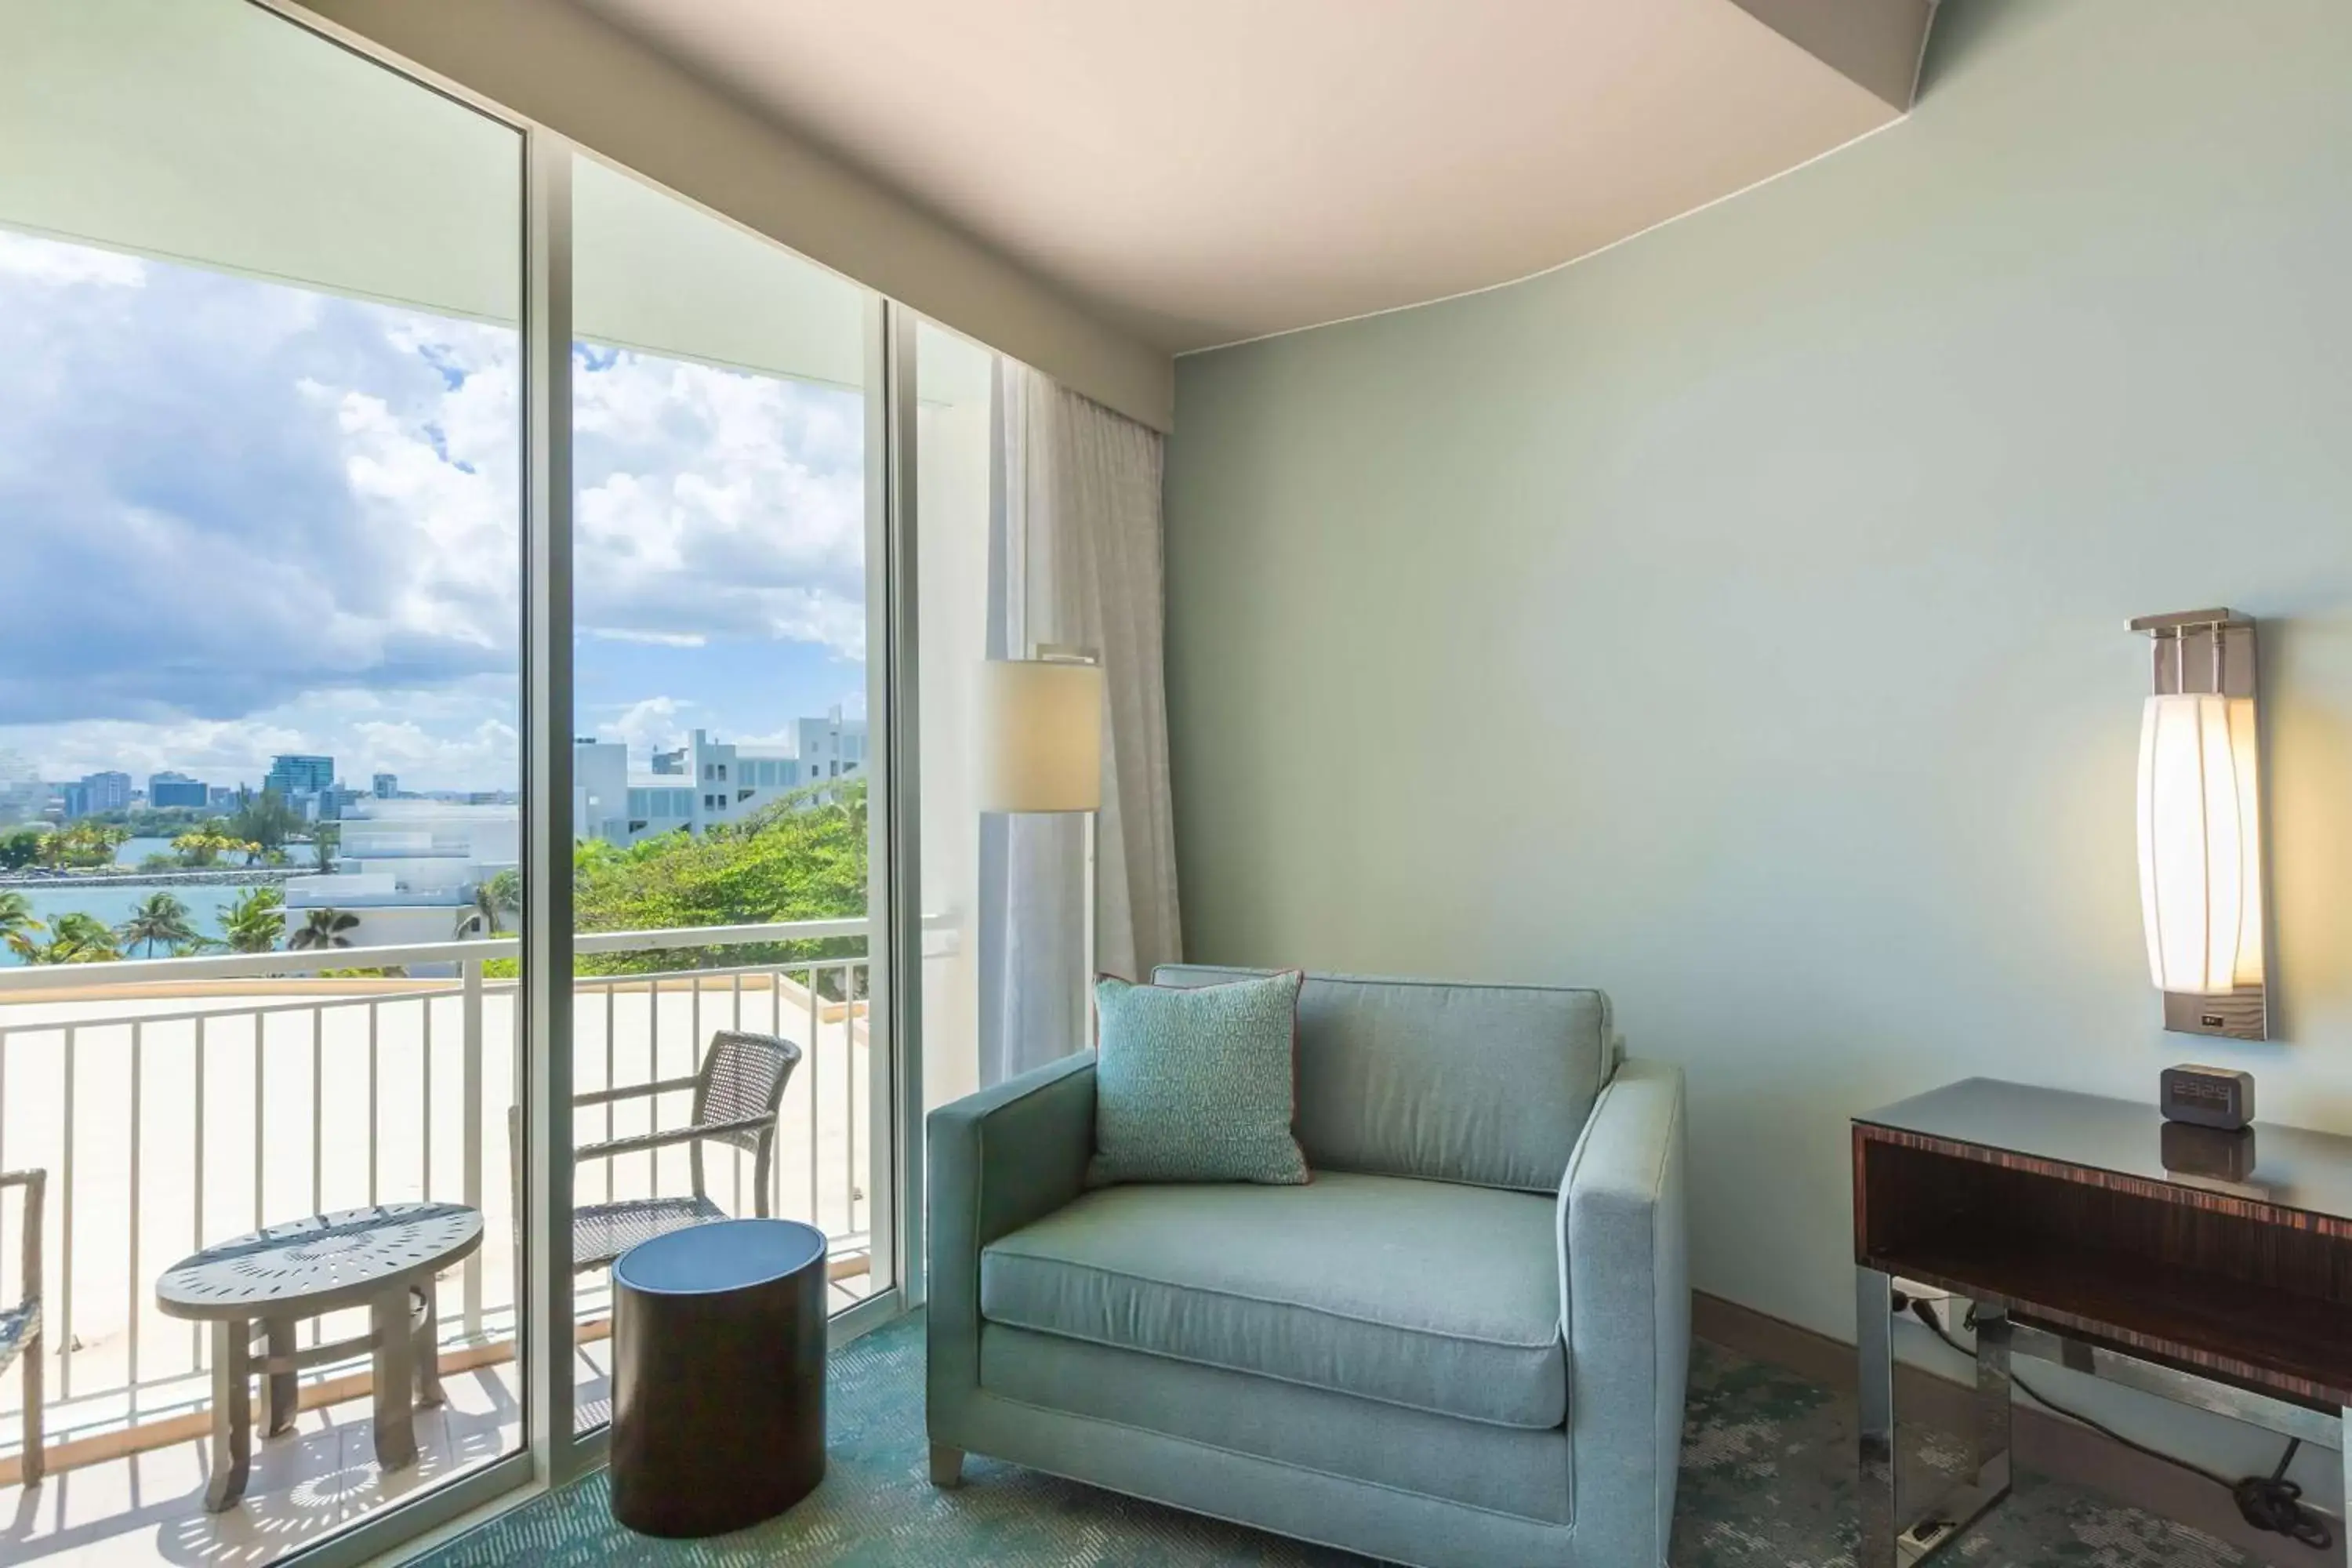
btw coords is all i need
(2211, 1268)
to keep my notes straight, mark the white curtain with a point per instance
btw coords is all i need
(1076, 562)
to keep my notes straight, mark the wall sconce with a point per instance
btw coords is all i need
(2200, 832)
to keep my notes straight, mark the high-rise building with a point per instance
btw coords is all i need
(292, 774)
(97, 793)
(22, 793)
(386, 787)
(169, 789)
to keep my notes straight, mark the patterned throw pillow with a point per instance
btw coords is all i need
(1195, 1084)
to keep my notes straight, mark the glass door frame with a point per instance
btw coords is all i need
(551, 1452)
(544, 562)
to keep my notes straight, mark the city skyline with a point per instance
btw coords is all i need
(297, 513)
(377, 781)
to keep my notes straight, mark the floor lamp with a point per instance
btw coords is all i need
(1039, 727)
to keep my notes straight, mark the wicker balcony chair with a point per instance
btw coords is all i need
(736, 1096)
(20, 1325)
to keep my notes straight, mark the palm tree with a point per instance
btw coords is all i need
(323, 928)
(16, 913)
(254, 920)
(75, 937)
(266, 819)
(494, 899)
(17, 925)
(157, 918)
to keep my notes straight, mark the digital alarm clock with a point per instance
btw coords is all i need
(2207, 1097)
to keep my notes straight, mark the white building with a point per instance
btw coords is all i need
(712, 783)
(408, 869)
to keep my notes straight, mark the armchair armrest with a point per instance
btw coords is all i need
(35, 1183)
(998, 1160)
(1624, 1294)
(594, 1097)
(640, 1143)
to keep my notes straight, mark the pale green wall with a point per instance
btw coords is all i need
(1736, 619)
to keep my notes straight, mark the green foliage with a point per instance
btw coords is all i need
(159, 920)
(494, 899)
(75, 937)
(254, 920)
(801, 858)
(266, 819)
(202, 846)
(80, 847)
(20, 847)
(155, 822)
(16, 913)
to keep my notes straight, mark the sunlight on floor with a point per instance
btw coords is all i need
(149, 1508)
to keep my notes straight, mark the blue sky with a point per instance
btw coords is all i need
(238, 517)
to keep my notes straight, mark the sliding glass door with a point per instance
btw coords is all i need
(459, 629)
(261, 586)
(723, 747)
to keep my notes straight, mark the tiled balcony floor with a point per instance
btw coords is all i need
(148, 1508)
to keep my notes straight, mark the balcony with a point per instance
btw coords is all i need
(177, 1102)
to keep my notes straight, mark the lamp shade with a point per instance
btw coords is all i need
(2200, 844)
(1039, 727)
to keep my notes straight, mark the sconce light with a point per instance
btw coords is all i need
(2200, 835)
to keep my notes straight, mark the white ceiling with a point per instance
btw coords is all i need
(1205, 170)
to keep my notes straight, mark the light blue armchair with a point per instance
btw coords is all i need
(1465, 1341)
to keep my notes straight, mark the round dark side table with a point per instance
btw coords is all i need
(719, 1336)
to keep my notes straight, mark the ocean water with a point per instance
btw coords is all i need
(205, 902)
(134, 850)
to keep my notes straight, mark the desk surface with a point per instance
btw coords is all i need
(2295, 1167)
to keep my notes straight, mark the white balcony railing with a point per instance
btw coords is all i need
(176, 1102)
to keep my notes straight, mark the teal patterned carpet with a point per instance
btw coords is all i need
(1767, 1482)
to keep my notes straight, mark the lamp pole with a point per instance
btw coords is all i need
(1039, 722)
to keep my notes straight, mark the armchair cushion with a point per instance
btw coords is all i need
(1422, 1294)
(1196, 1084)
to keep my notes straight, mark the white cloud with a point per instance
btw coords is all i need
(51, 263)
(714, 501)
(651, 725)
(649, 639)
(454, 737)
(304, 513)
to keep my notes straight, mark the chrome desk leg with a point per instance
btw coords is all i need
(1873, 1337)
(1889, 1538)
(1992, 1401)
